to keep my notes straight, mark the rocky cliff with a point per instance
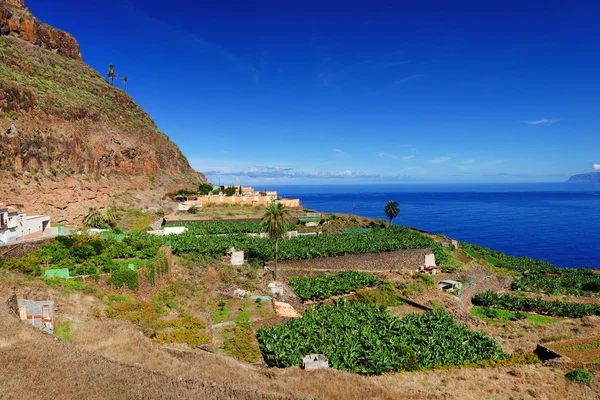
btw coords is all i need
(69, 139)
(17, 21)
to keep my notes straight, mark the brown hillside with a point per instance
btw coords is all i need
(70, 139)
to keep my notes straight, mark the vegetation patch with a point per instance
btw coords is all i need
(586, 350)
(369, 340)
(63, 331)
(308, 247)
(580, 375)
(241, 342)
(160, 318)
(540, 276)
(496, 314)
(125, 277)
(386, 296)
(322, 287)
(555, 308)
(223, 227)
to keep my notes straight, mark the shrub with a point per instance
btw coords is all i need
(63, 331)
(410, 289)
(125, 277)
(205, 188)
(426, 279)
(386, 296)
(193, 210)
(580, 375)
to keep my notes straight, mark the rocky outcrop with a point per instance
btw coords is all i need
(16, 20)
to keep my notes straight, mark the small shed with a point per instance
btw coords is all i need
(314, 361)
(429, 260)
(38, 313)
(237, 258)
(449, 285)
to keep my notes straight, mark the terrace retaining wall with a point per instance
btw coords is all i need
(408, 260)
(21, 249)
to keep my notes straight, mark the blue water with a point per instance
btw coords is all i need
(556, 222)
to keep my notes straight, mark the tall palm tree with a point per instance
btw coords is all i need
(112, 74)
(110, 217)
(276, 222)
(92, 218)
(125, 80)
(391, 209)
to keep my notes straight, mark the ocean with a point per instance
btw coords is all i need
(555, 222)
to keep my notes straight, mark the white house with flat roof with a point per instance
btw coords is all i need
(16, 226)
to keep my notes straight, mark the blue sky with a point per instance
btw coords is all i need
(357, 92)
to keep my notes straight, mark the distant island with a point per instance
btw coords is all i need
(590, 177)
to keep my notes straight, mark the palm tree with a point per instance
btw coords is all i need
(276, 222)
(110, 217)
(92, 218)
(125, 80)
(391, 209)
(112, 74)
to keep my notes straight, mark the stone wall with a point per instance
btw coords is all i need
(21, 249)
(391, 261)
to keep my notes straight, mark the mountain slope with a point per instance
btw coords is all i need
(590, 177)
(66, 131)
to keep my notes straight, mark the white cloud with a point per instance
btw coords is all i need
(596, 166)
(265, 172)
(395, 157)
(442, 159)
(468, 161)
(542, 122)
(340, 151)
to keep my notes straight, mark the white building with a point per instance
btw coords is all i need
(16, 226)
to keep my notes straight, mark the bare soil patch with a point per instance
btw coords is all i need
(389, 261)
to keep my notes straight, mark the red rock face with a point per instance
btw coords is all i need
(16, 20)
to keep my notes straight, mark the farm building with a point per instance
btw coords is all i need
(315, 361)
(38, 313)
(449, 285)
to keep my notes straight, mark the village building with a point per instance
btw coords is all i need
(16, 226)
(249, 197)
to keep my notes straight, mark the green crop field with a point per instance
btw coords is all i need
(369, 340)
(322, 287)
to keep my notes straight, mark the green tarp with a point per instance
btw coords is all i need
(107, 235)
(57, 273)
